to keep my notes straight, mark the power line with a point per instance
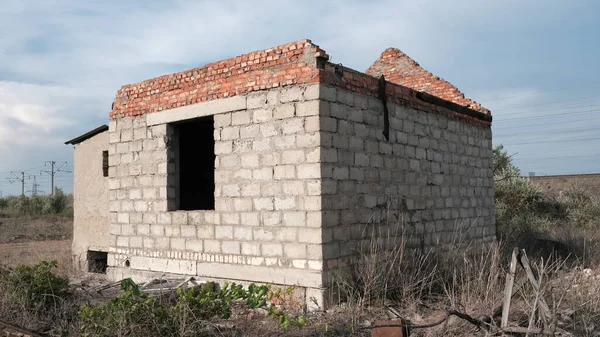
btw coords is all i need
(547, 103)
(533, 168)
(20, 178)
(554, 141)
(548, 131)
(547, 116)
(568, 107)
(532, 93)
(558, 157)
(53, 171)
(35, 188)
(585, 120)
(25, 170)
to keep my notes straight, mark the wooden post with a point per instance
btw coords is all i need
(536, 286)
(535, 302)
(508, 288)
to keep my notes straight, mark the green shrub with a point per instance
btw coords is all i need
(522, 207)
(134, 313)
(3, 205)
(33, 287)
(57, 203)
(37, 205)
(581, 209)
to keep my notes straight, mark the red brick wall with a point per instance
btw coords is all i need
(397, 67)
(294, 63)
(369, 85)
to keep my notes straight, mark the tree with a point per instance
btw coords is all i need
(3, 204)
(502, 165)
(522, 207)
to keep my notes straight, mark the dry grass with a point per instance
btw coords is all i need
(26, 229)
(424, 284)
(27, 241)
(64, 310)
(387, 272)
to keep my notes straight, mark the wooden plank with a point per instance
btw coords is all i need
(187, 280)
(148, 283)
(453, 106)
(535, 284)
(535, 303)
(508, 288)
(518, 284)
(386, 113)
(108, 286)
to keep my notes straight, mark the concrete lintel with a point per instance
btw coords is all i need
(185, 267)
(209, 108)
(279, 275)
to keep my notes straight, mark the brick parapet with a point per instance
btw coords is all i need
(300, 62)
(288, 64)
(357, 82)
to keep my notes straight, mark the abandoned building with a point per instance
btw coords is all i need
(267, 167)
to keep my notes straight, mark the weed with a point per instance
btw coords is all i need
(58, 203)
(34, 287)
(134, 313)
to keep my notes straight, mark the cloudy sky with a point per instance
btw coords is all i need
(534, 63)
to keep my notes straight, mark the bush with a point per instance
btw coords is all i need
(581, 209)
(521, 207)
(134, 313)
(33, 287)
(3, 205)
(57, 204)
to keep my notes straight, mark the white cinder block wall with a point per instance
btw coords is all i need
(299, 172)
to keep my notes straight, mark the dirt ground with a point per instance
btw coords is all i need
(13, 254)
(28, 241)
(25, 240)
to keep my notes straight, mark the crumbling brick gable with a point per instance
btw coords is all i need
(288, 64)
(399, 68)
(300, 62)
(357, 82)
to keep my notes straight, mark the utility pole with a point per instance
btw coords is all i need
(34, 188)
(53, 170)
(20, 178)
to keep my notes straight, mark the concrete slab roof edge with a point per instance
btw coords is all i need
(87, 135)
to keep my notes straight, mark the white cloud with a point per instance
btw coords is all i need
(63, 60)
(125, 37)
(34, 114)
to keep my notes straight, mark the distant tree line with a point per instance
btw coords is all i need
(37, 205)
